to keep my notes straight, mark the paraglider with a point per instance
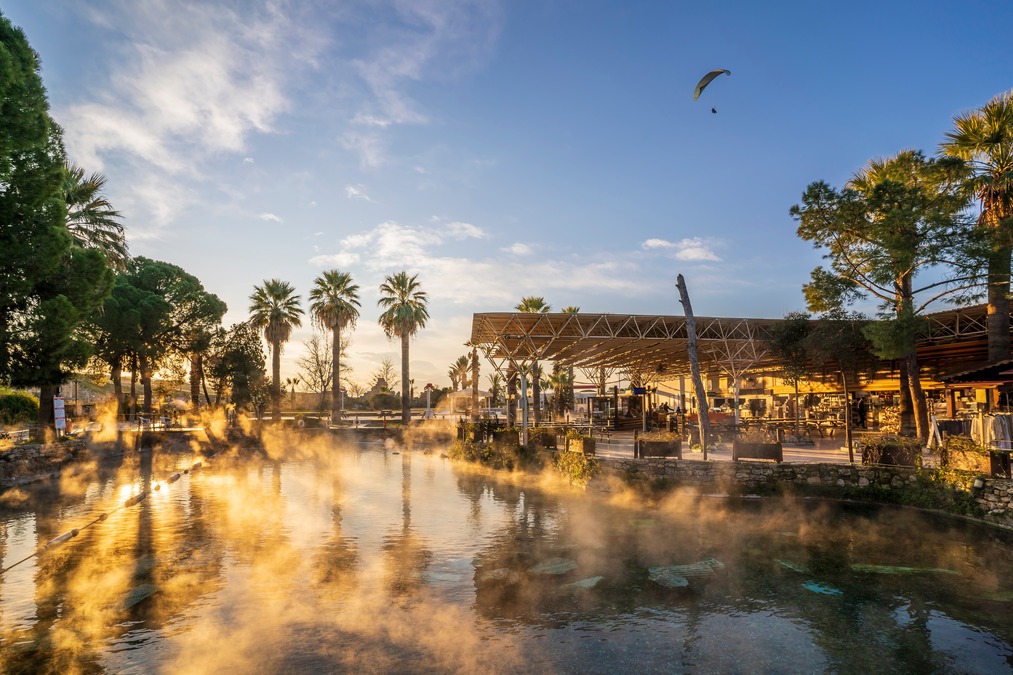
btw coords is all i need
(706, 79)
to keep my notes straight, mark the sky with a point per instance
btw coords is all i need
(498, 149)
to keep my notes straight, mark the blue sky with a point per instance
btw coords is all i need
(499, 149)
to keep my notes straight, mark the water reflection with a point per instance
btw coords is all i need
(402, 561)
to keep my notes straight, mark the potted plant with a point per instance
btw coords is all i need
(756, 444)
(891, 450)
(578, 442)
(658, 444)
(506, 437)
(963, 454)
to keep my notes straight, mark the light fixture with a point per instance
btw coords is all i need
(978, 483)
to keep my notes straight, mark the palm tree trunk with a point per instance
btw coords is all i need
(536, 391)
(474, 383)
(405, 402)
(511, 388)
(276, 384)
(997, 321)
(336, 383)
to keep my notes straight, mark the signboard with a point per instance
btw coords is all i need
(639, 391)
(59, 413)
(342, 390)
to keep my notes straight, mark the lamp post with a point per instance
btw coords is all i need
(429, 409)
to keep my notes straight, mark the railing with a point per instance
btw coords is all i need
(17, 435)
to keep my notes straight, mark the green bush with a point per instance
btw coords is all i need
(580, 468)
(497, 456)
(385, 400)
(896, 450)
(18, 407)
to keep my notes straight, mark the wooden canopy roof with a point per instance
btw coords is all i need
(952, 340)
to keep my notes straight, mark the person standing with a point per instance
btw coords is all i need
(861, 410)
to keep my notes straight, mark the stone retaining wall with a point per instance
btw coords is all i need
(950, 491)
(22, 464)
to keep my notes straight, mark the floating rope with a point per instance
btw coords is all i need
(67, 536)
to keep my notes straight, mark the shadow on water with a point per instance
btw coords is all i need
(118, 581)
(404, 561)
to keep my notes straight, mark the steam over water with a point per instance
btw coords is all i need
(367, 559)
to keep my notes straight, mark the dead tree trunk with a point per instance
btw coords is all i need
(694, 364)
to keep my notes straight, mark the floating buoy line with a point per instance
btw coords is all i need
(132, 501)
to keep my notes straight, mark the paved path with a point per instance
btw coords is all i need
(823, 450)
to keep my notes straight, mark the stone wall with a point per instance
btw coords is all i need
(949, 491)
(27, 463)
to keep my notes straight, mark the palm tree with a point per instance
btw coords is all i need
(334, 304)
(405, 313)
(274, 307)
(535, 305)
(571, 399)
(984, 139)
(292, 382)
(459, 372)
(91, 219)
(495, 385)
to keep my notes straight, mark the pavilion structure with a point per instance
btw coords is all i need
(953, 341)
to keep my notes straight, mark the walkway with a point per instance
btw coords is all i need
(826, 450)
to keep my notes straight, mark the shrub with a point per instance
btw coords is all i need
(542, 437)
(18, 407)
(385, 400)
(898, 450)
(660, 436)
(755, 435)
(497, 456)
(578, 467)
(962, 453)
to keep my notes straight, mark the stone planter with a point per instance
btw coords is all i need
(892, 455)
(510, 438)
(746, 450)
(966, 460)
(584, 445)
(542, 437)
(659, 449)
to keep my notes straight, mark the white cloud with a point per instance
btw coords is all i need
(518, 249)
(422, 40)
(370, 148)
(270, 217)
(187, 83)
(470, 279)
(192, 77)
(335, 260)
(690, 249)
(657, 243)
(356, 192)
(463, 231)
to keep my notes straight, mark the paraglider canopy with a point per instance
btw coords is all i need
(706, 79)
